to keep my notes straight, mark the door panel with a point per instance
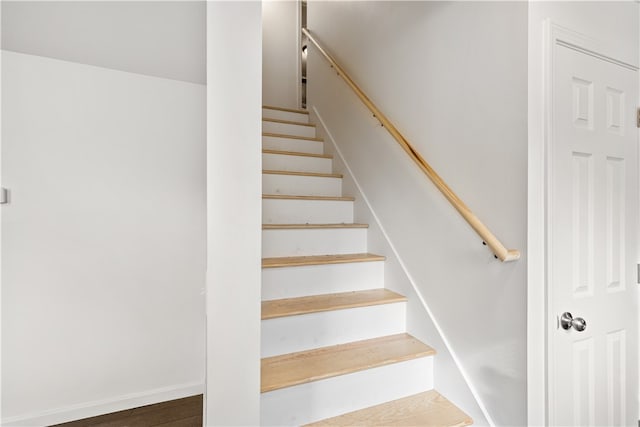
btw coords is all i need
(593, 160)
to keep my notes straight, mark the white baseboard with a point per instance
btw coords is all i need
(104, 406)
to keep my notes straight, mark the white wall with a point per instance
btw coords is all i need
(448, 378)
(234, 217)
(609, 23)
(1, 184)
(453, 77)
(103, 244)
(280, 53)
(157, 38)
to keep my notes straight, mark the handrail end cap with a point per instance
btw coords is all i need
(512, 255)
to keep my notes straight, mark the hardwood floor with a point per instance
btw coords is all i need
(185, 412)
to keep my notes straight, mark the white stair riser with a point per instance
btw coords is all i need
(297, 185)
(315, 241)
(284, 162)
(327, 398)
(305, 332)
(289, 144)
(292, 282)
(268, 113)
(291, 211)
(288, 129)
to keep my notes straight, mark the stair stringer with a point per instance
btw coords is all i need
(450, 377)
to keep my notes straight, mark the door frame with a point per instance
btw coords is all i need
(539, 319)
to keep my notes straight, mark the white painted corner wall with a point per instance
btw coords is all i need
(146, 167)
(234, 212)
(1, 185)
(281, 53)
(463, 104)
(103, 243)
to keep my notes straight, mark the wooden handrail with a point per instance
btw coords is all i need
(492, 241)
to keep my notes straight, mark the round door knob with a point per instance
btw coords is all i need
(567, 322)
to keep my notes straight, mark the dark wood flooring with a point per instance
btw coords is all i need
(185, 412)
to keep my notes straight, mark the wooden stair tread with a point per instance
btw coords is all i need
(328, 302)
(289, 122)
(306, 366)
(311, 226)
(289, 197)
(423, 409)
(297, 153)
(290, 110)
(316, 174)
(298, 261)
(281, 135)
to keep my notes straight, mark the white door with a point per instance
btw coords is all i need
(594, 214)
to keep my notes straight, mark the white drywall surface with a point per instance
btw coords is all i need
(452, 76)
(234, 55)
(420, 323)
(103, 244)
(280, 56)
(1, 316)
(157, 38)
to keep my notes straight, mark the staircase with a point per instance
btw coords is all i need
(334, 345)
